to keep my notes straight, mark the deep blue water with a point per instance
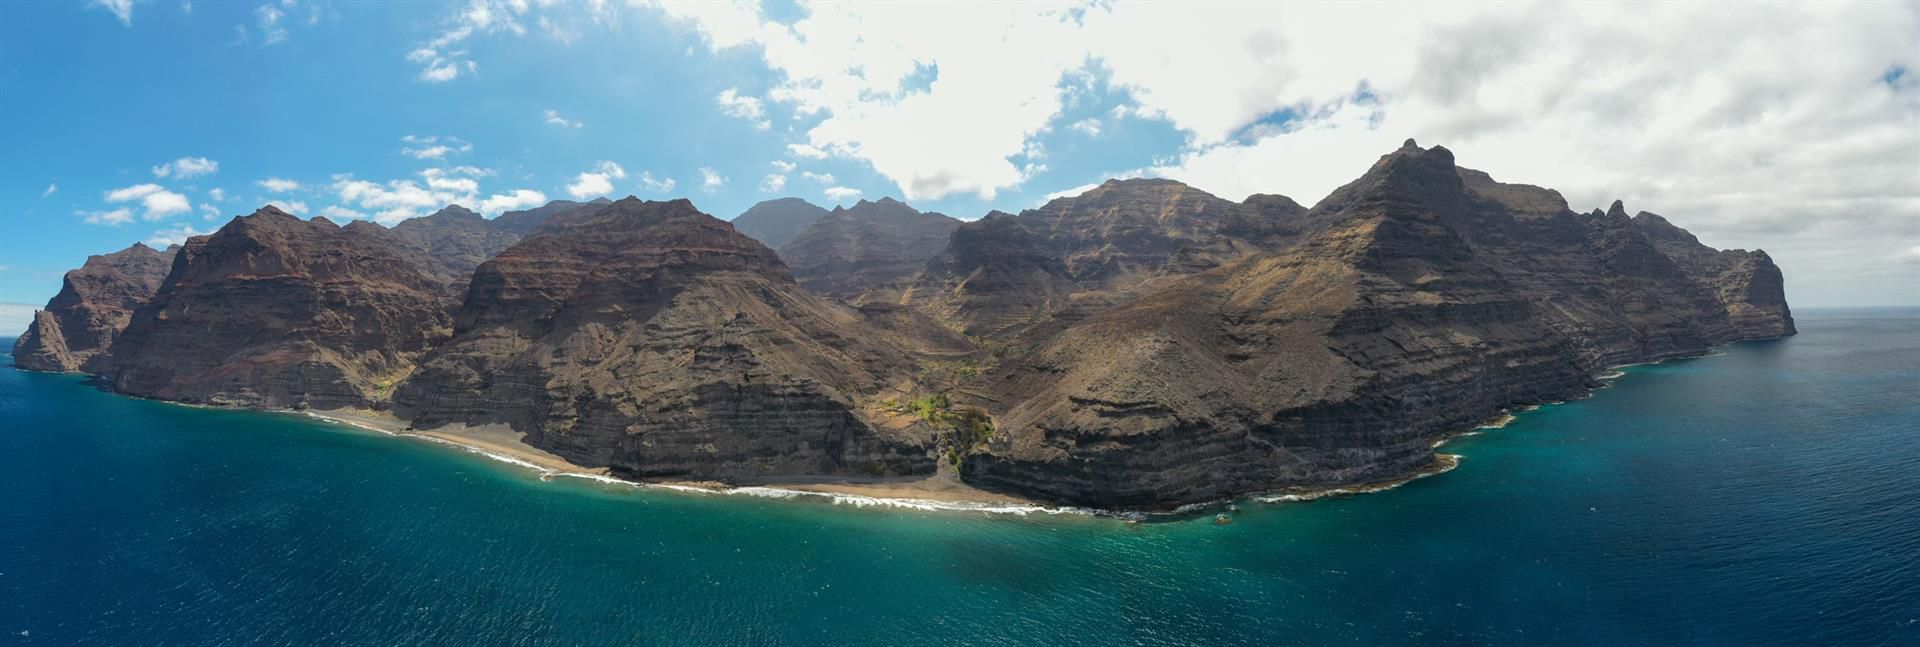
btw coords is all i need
(1767, 495)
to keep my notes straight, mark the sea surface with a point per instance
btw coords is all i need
(1769, 494)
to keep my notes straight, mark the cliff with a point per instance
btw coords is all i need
(1417, 300)
(1141, 346)
(774, 222)
(656, 340)
(872, 244)
(274, 311)
(93, 306)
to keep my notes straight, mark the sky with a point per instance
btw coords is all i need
(1789, 127)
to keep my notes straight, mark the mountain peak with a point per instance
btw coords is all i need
(1618, 210)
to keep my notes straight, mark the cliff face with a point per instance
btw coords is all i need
(1746, 283)
(654, 339)
(455, 240)
(1417, 300)
(851, 250)
(93, 306)
(1144, 345)
(774, 222)
(274, 311)
(1002, 274)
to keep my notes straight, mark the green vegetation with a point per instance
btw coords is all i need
(963, 429)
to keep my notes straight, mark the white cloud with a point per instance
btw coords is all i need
(515, 200)
(773, 183)
(51, 189)
(747, 107)
(398, 200)
(661, 185)
(295, 207)
(156, 201)
(175, 235)
(187, 167)
(841, 193)
(784, 166)
(217, 194)
(209, 211)
(823, 178)
(1089, 126)
(267, 18)
(1069, 192)
(433, 147)
(119, 216)
(122, 9)
(597, 182)
(338, 213)
(278, 185)
(552, 117)
(711, 180)
(807, 151)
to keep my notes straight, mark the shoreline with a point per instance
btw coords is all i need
(942, 491)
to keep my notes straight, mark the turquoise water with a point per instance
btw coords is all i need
(1768, 495)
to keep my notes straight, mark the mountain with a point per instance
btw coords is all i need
(657, 340)
(774, 222)
(1143, 345)
(275, 311)
(455, 240)
(1003, 273)
(1416, 301)
(93, 306)
(851, 250)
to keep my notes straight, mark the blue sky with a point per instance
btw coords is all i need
(149, 121)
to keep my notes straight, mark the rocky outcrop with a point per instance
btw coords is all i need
(1416, 301)
(93, 306)
(774, 222)
(654, 339)
(456, 240)
(274, 311)
(1002, 274)
(851, 250)
(1746, 283)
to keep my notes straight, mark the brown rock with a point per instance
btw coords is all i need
(852, 250)
(93, 306)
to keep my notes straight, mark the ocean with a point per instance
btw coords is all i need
(1768, 494)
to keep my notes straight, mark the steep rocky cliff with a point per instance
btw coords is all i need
(1417, 300)
(456, 240)
(854, 249)
(93, 306)
(1747, 283)
(774, 222)
(1003, 273)
(275, 311)
(654, 339)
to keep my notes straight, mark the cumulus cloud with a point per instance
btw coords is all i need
(807, 151)
(174, 235)
(823, 178)
(278, 185)
(784, 166)
(337, 213)
(841, 193)
(187, 167)
(1089, 126)
(659, 185)
(553, 118)
(217, 194)
(711, 180)
(155, 200)
(122, 9)
(295, 207)
(395, 200)
(116, 217)
(433, 147)
(747, 107)
(596, 182)
(773, 183)
(515, 200)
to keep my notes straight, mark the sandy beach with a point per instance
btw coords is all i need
(501, 442)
